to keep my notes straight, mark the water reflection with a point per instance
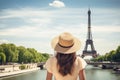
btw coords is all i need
(92, 73)
(95, 73)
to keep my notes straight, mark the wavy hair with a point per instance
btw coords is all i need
(65, 63)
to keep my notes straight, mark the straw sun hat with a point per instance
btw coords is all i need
(65, 43)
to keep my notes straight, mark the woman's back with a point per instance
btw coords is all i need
(51, 66)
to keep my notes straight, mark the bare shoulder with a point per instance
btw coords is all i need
(82, 62)
(79, 58)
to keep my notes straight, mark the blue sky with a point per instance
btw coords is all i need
(33, 23)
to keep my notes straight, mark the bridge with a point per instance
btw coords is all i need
(103, 63)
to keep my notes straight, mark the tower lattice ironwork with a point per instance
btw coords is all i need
(89, 41)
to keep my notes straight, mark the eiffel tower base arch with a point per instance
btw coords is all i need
(89, 53)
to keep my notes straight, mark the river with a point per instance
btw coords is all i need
(92, 73)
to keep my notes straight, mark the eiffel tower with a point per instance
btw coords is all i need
(89, 41)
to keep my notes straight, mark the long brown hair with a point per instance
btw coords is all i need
(65, 63)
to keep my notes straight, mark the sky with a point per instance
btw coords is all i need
(34, 23)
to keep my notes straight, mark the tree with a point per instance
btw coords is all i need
(117, 54)
(34, 54)
(1, 48)
(27, 57)
(11, 52)
(46, 56)
(111, 55)
(2, 58)
(14, 52)
(21, 52)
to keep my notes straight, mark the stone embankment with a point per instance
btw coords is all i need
(10, 70)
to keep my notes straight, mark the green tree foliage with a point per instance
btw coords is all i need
(10, 51)
(45, 56)
(110, 56)
(34, 54)
(113, 55)
(20, 54)
(117, 54)
(2, 58)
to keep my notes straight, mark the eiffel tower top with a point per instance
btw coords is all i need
(89, 11)
(89, 25)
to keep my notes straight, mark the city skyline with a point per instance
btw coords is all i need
(33, 23)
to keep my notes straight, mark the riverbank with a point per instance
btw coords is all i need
(92, 73)
(17, 72)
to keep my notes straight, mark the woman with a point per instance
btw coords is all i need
(65, 65)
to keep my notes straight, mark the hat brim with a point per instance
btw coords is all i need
(60, 49)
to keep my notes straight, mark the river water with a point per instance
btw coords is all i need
(92, 73)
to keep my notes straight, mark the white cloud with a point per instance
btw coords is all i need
(106, 29)
(40, 26)
(23, 13)
(57, 3)
(43, 22)
(4, 41)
